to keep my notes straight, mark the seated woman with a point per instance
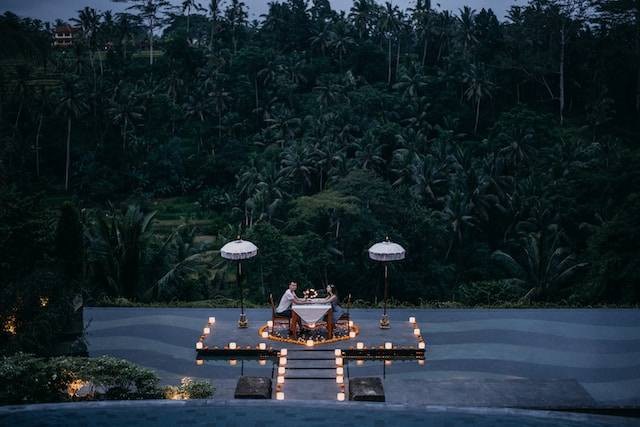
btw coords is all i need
(332, 298)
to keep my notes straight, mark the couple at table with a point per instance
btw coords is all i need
(289, 298)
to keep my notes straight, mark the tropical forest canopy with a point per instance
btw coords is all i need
(502, 154)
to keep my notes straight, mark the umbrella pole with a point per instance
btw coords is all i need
(384, 322)
(242, 323)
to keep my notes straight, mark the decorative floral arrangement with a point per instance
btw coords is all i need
(310, 293)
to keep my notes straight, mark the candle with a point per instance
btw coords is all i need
(233, 362)
(337, 352)
(280, 395)
(420, 361)
(388, 362)
(338, 361)
(280, 379)
(388, 346)
(199, 345)
(360, 346)
(339, 370)
(416, 332)
(206, 331)
(281, 370)
(265, 334)
(351, 323)
(283, 361)
(212, 320)
(340, 379)
(283, 352)
(232, 346)
(359, 362)
(270, 323)
(340, 397)
(412, 319)
(309, 343)
(262, 346)
(262, 362)
(352, 334)
(421, 345)
(199, 362)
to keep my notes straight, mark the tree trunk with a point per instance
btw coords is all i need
(561, 82)
(475, 128)
(38, 145)
(68, 160)
(389, 71)
(398, 59)
(255, 80)
(124, 135)
(424, 52)
(151, 43)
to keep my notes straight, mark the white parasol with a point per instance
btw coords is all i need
(238, 250)
(386, 251)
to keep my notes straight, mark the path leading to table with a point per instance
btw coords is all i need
(585, 356)
(310, 375)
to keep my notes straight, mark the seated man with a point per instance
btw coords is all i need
(288, 298)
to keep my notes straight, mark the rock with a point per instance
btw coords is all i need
(366, 389)
(253, 388)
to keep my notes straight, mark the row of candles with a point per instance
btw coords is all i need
(205, 331)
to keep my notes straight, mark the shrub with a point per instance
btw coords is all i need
(490, 292)
(189, 389)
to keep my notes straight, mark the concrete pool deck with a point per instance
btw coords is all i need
(540, 358)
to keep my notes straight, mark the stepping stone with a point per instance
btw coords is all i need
(311, 373)
(366, 389)
(253, 388)
(311, 364)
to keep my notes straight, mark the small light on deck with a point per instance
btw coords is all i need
(421, 345)
(270, 323)
(281, 370)
(265, 334)
(340, 397)
(262, 362)
(206, 330)
(212, 320)
(280, 379)
(199, 362)
(420, 361)
(388, 346)
(233, 362)
(310, 343)
(262, 346)
(199, 345)
(279, 395)
(412, 319)
(360, 362)
(360, 346)
(352, 334)
(339, 370)
(388, 362)
(283, 352)
(416, 332)
(351, 323)
(283, 361)
(232, 346)
(339, 379)
(337, 352)
(338, 361)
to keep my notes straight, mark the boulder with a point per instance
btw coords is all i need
(253, 388)
(367, 389)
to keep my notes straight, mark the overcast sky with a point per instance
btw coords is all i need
(49, 10)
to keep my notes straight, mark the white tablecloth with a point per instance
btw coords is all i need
(311, 313)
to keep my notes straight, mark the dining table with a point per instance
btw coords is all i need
(309, 314)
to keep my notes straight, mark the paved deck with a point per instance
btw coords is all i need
(516, 358)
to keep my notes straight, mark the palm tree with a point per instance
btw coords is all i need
(458, 214)
(88, 21)
(411, 84)
(297, 164)
(479, 86)
(125, 110)
(45, 102)
(23, 71)
(541, 263)
(322, 39)
(70, 106)
(214, 10)
(368, 152)
(467, 27)
(125, 27)
(236, 15)
(150, 11)
(389, 25)
(198, 107)
(421, 16)
(341, 43)
(361, 13)
(220, 98)
(187, 5)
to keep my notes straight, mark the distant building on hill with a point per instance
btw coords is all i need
(63, 35)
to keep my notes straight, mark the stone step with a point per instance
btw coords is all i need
(315, 363)
(310, 354)
(310, 390)
(305, 374)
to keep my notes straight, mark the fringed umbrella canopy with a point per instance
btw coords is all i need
(386, 251)
(239, 249)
